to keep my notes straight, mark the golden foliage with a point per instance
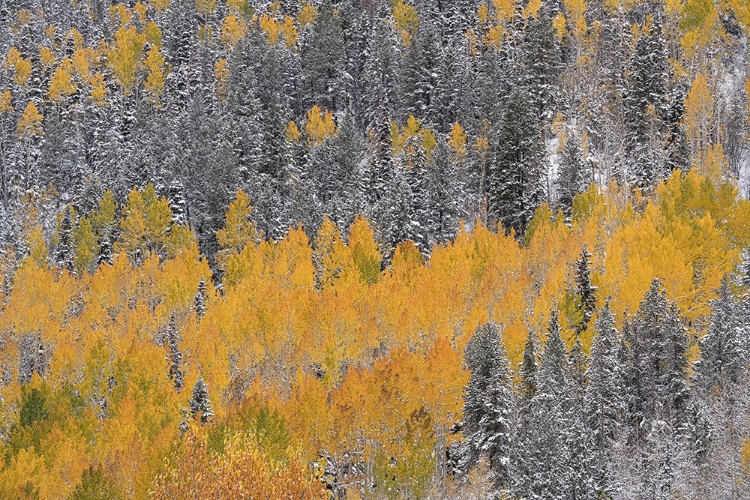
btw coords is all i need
(271, 28)
(350, 357)
(157, 70)
(6, 101)
(205, 7)
(406, 21)
(292, 131)
(98, 88)
(232, 30)
(241, 470)
(62, 84)
(413, 127)
(307, 15)
(21, 66)
(30, 122)
(238, 229)
(124, 57)
(457, 140)
(699, 114)
(320, 125)
(46, 56)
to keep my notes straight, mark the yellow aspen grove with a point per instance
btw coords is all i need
(306, 15)
(271, 27)
(21, 66)
(457, 140)
(205, 7)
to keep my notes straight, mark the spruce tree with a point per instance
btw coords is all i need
(722, 355)
(574, 177)
(585, 291)
(646, 105)
(200, 404)
(64, 251)
(199, 301)
(528, 372)
(517, 172)
(324, 61)
(604, 403)
(541, 56)
(488, 401)
(551, 436)
(174, 356)
(660, 356)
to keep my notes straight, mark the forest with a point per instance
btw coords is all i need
(343, 249)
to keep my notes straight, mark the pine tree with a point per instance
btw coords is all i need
(722, 355)
(174, 356)
(488, 401)
(660, 355)
(574, 177)
(64, 251)
(550, 436)
(324, 61)
(517, 171)
(200, 299)
(585, 291)
(541, 56)
(528, 372)
(443, 194)
(646, 106)
(604, 402)
(200, 404)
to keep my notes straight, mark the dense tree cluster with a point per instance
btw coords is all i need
(417, 114)
(631, 422)
(374, 249)
(579, 362)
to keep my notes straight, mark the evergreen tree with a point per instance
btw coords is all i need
(174, 356)
(551, 434)
(443, 195)
(517, 171)
(604, 403)
(200, 404)
(200, 299)
(528, 372)
(646, 106)
(324, 61)
(660, 355)
(488, 401)
(585, 291)
(64, 251)
(574, 177)
(722, 355)
(541, 56)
